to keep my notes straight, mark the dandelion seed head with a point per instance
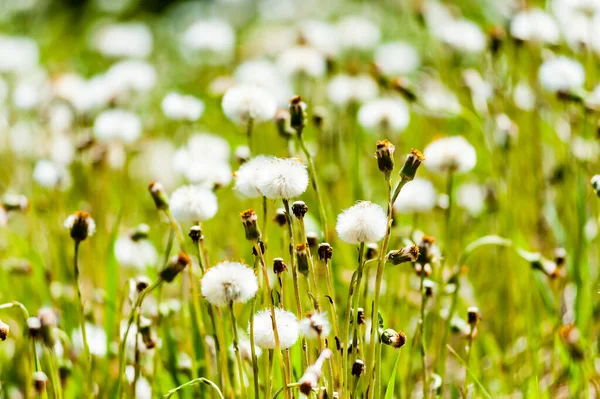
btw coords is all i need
(282, 178)
(417, 196)
(450, 153)
(315, 325)
(117, 124)
(182, 107)
(344, 89)
(362, 223)
(248, 175)
(287, 329)
(384, 113)
(302, 60)
(229, 282)
(358, 33)
(131, 39)
(535, 25)
(193, 204)
(81, 225)
(561, 74)
(397, 58)
(244, 102)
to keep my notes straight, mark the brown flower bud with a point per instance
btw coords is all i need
(250, 222)
(312, 239)
(325, 251)
(358, 368)
(280, 217)
(412, 163)
(297, 114)
(403, 255)
(385, 156)
(279, 266)
(196, 234)
(299, 209)
(159, 195)
(175, 266)
(302, 254)
(372, 251)
(141, 283)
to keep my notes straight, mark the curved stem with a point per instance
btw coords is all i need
(194, 382)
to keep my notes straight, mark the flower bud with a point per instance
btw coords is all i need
(412, 163)
(428, 287)
(159, 195)
(358, 368)
(372, 251)
(141, 283)
(81, 225)
(325, 251)
(141, 232)
(425, 254)
(360, 316)
(596, 184)
(280, 217)
(34, 327)
(175, 266)
(393, 338)
(279, 266)
(302, 255)
(403, 255)
(297, 114)
(299, 209)
(196, 234)
(473, 315)
(4, 330)
(385, 156)
(40, 380)
(282, 120)
(49, 322)
(148, 337)
(250, 222)
(312, 239)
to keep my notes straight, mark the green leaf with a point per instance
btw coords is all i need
(389, 391)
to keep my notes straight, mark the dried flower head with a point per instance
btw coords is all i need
(287, 329)
(159, 195)
(81, 225)
(411, 165)
(279, 266)
(363, 222)
(395, 339)
(250, 222)
(176, 265)
(229, 282)
(358, 368)
(407, 254)
(315, 325)
(385, 156)
(299, 209)
(325, 251)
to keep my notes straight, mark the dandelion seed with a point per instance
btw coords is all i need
(561, 74)
(283, 178)
(315, 325)
(193, 204)
(363, 222)
(287, 329)
(229, 282)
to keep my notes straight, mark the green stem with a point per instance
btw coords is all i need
(236, 347)
(422, 337)
(249, 131)
(32, 363)
(253, 351)
(467, 361)
(86, 348)
(194, 382)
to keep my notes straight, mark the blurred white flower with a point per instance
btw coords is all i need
(204, 160)
(362, 223)
(245, 102)
(182, 107)
(397, 58)
(81, 225)
(18, 54)
(417, 196)
(247, 176)
(261, 72)
(193, 204)
(320, 35)
(245, 348)
(47, 173)
(212, 36)
(524, 96)
(60, 118)
(31, 90)
(21, 135)
(463, 36)
(438, 98)
(287, 329)
(583, 149)
(357, 33)
(345, 89)
(62, 150)
(117, 124)
(561, 74)
(384, 113)
(137, 254)
(315, 325)
(535, 25)
(283, 178)
(481, 90)
(128, 39)
(312, 375)
(302, 60)
(84, 95)
(229, 282)
(96, 339)
(130, 76)
(471, 197)
(453, 154)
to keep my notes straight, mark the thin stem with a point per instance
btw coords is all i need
(253, 351)
(467, 360)
(336, 327)
(249, 131)
(54, 376)
(86, 348)
(311, 268)
(236, 347)
(32, 358)
(194, 382)
(422, 337)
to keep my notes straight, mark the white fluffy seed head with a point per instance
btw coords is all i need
(245, 102)
(135, 254)
(462, 35)
(344, 89)
(302, 60)
(130, 39)
(315, 325)
(117, 124)
(245, 348)
(561, 73)
(247, 176)
(181, 107)
(363, 222)
(193, 204)
(358, 33)
(417, 196)
(282, 178)
(229, 282)
(384, 113)
(397, 58)
(535, 25)
(287, 329)
(450, 153)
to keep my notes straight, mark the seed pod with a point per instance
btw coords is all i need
(358, 368)
(279, 266)
(280, 217)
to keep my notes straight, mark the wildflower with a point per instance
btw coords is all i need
(81, 225)
(47, 173)
(250, 222)
(595, 182)
(132, 39)
(417, 196)
(310, 378)
(396, 58)
(453, 154)
(129, 76)
(346, 89)
(287, 329)
(302, 60)
(212, 36)
(247, 176)
(229, 282)
(248, 102)
(193, 204)
(462, 35)
(315, 325)
(176, 265)
(395, 339)
(283, 178)
(383, 114)
(182, 107)
(406, 254)
(263, 73)
(138, 253)
(561, 74)
(117, 124)
(358, 33)
(534, 25)
(363, 222)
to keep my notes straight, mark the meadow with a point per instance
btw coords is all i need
(279, 199)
